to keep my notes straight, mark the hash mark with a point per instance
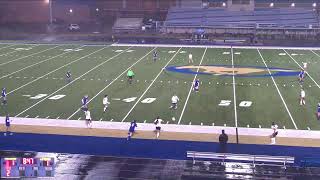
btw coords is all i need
(259, 126)
(248, 126)
(58, 117)
(201, 124)
(212, 124)
(167, 122)
(189, 123)
(144, 121)
(309, 128)
(36, 117)
(225, 125)
(26, 116)
(111, 120)
(100, 119)
(79, 118)
(284, 127)
(47, 117)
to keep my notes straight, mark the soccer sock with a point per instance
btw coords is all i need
(158, 134)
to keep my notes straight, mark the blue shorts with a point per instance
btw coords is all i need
(7, 124)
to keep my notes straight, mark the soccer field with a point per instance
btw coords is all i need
(240, 87)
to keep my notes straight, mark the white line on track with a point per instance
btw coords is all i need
(47, 117)
(27, 56)
(34, 64)
(113, 81)
(74, 79)
(15, 51)
(234, 90)
(54, 70)
(152, 82)
(195, 77)
(302, 68)
(275, 84)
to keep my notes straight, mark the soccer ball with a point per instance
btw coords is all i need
(173, 118)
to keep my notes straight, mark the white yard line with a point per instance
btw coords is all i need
(34, 64)
(234, 90)
(14, 51)
(315, 53)
(152, 82)
(274, 82)
(38, 78)
(75, 79)
(195, 77)
(302, 68)
(113, 81)
(27, 56)
(8, 46)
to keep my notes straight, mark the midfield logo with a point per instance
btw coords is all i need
(239, 71)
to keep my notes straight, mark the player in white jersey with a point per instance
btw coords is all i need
(105, 102)
(174, 102)
(158, 122)
(305, 64)
(302, 97)
(190, 58)
(88, 118)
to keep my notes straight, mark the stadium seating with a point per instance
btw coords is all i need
(220, 17)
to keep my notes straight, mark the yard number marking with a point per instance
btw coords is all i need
(226, 103)
(145, 101)
(55, 97)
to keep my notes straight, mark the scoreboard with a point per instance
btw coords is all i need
(27, 167)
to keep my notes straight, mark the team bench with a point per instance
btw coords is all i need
(254, 159)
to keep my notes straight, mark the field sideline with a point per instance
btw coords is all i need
(240, 86)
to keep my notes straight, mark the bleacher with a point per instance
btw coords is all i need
(259, 18)
(127, 24)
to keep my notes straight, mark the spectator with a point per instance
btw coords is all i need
(223, 140)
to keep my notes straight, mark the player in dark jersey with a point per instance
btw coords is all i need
(318, 111)
(84, 103)
(301, 76)
(155, 56)
(132, 128)
(196, 85)
(68, 77)
(4, 96)
(7, 126)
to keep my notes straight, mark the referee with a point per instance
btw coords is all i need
(130, 76)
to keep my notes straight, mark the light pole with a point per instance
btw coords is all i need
(50, 11)
(49, 2)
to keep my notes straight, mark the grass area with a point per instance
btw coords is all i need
(34, 76)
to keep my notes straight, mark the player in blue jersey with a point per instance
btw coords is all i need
(132, 128)
(68, 77)
(318, 111)
(155, 56)
(4, 96)
(84, 102)
(301, 76)
(196, 85)
(7, 126)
